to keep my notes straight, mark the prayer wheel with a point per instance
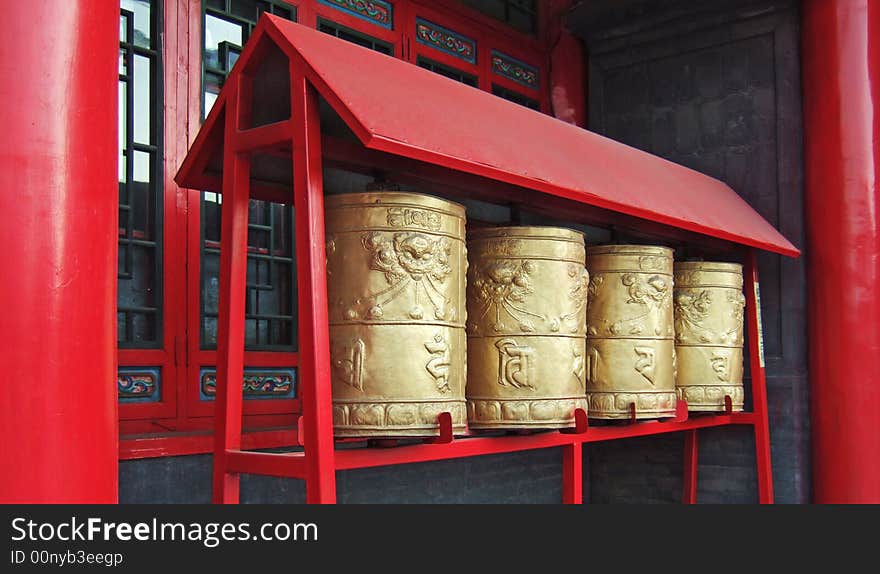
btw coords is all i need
(396, 265)
(630, 359)
(709, 306)
(527, 296)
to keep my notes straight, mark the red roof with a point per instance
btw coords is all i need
(396, 107)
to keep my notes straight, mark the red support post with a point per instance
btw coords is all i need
(758, 378)
(567, 64)
(841, 91)
(573, 473)
(689, 480)
(58, 160)
(233, 279)
(312, 289)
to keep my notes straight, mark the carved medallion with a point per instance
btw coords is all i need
(413, 263)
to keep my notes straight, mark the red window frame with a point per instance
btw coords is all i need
(180, 411)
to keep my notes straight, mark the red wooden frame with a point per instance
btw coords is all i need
(319, 461)
(180, 412)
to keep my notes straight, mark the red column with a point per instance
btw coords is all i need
(841, 75)
(567, 64)
(58, 227)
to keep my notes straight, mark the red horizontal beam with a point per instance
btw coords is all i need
(265, 137)
(290, 465)
(178, 444)
(368, 457)
(133, 448)
(648, 428)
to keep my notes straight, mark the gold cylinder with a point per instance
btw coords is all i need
(527, 295)
(396, 265)
(630, 350)
(709, 306)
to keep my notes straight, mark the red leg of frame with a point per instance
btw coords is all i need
(230, 328)
(759, 381)
(312, 280)
(573, 473)
(689, 483)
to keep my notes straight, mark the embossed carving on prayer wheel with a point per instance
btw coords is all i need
(527, 295)
(709, 306)
(396, 265)
(630, 350)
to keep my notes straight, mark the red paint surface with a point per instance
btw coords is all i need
(841, 74)
(58, 158)
(311, 261)
(758, 376)
(567, 65)
(446, 123)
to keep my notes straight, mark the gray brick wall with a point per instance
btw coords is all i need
(526, 477)
(714, 86)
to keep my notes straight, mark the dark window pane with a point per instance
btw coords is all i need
(270, 317)
(447, 71)
(270, 320)
(354, 37)
(246, 9)
(521, 15)
(515, 97)
(140, 104)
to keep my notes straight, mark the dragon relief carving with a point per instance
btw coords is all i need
(595, 283)
(502, 287)
(411, 262)
(737, 302)
(651, 293)
(577, 294)
(693, 307)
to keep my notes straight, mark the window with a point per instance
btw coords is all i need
(270, 308)
(516, 97)
(168, 297)
(519, 14)
(139, 316)
(354, 37)
(227, 26)
(447, 71)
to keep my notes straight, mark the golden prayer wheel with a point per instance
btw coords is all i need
(527, 296)
(630, 350)
(709, 306)
(396, 265)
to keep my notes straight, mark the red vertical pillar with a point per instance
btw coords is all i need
(567, 64)
(841, 75)
(58, 233)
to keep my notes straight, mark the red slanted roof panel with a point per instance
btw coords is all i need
(396, 107)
